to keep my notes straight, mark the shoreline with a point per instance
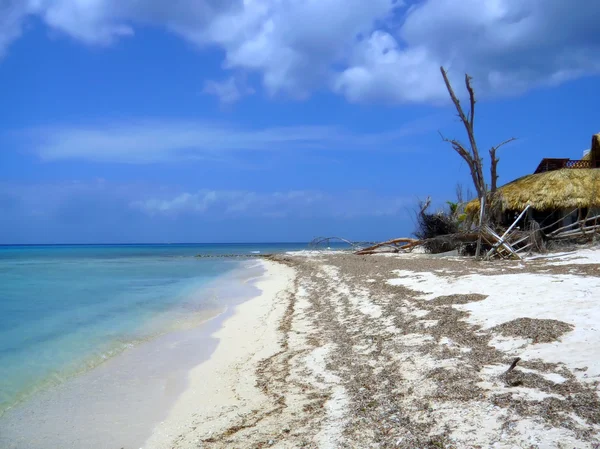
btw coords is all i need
(66, 314)
(385, 351)
(224, 385)
(95, 408)
(344, 351)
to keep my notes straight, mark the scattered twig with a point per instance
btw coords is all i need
(513, 365)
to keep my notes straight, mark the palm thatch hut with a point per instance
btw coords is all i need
(560, 196)
(561, 191)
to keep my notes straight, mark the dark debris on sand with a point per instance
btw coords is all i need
(411, 369)
(538, 330)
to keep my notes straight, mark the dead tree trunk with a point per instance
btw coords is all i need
(470, 154)
(494, 165)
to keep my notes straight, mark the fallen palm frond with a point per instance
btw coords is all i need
(434, 245)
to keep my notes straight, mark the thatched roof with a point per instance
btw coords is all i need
(558, 189)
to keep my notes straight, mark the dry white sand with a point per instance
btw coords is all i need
(342, 351)
(224, 386)
(568, 298)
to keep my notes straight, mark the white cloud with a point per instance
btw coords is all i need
(46, 200)
(381, 71)
(149, 141)
(508, 44)
(12, 14)
(299, 203)
(86, 20)
(380, 50)
(293, 44)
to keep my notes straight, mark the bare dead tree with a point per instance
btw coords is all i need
(470, 153)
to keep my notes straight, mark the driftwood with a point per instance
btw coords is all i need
(320, 241)
(406, 244)
(510, 244)
(394, 244)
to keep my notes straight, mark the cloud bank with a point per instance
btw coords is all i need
(298, 203)
(150, 141)
(103, 211)
(375, 51)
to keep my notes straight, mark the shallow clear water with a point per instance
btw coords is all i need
(65, 309)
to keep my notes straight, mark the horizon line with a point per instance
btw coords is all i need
(153, 243)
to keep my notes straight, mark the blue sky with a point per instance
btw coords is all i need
(273, 120)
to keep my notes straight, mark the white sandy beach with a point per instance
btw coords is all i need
(224, 386)
(346, 351)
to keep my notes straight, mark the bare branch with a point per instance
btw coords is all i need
(497, 147)
(494, 164)
(472, 99)
(316, 242)
(470, 129)
(460, 149)
(454, 98)
(471, 157)
(396, 244)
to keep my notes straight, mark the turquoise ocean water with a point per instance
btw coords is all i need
(65, 309)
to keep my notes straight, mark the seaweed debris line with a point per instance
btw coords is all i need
(396, 351)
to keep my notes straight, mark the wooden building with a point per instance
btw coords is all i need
(560, 191)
